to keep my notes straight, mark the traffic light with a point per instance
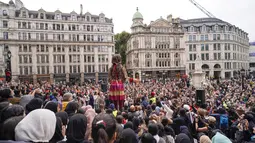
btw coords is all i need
(8, 75)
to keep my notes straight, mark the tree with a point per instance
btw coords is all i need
(121, 44)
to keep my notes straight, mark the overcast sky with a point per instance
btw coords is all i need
(238, 12)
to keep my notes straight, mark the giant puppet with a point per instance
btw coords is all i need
(117, 76)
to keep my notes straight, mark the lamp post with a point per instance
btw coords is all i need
(242, 74)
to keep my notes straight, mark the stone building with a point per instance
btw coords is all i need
(58, 46)
(156, 50)
(222, 47)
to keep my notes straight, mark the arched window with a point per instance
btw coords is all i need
(5, 13)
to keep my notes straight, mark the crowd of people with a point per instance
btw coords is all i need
(153, 112)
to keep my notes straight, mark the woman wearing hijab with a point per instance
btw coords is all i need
(38, 126)
(128, 136)
(182, 138)
(52, 106)
(35, 103)
(58, 136)
(90, 115)
(71, 108)
(76, 129)
(64, 119)
(128, 125)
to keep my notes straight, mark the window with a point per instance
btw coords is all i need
(202, 47)
(192, 66)
(206, 47)
(41, 16)
(206, 37)
(214, 36)
(218, 36)
(5, 24)
(215, 56)
(20, 59)
(194, 37)
(5, 35)
(19, 24)
(226, 46)
(29, 25)
(24, 14)
(219, 56)
(219, 48)
(5, 13)
(58, 17)
(88, 27)
(202, 38)
(88, 18)
(190, 37)
(203, 56)
(190, 47)
(207, 56)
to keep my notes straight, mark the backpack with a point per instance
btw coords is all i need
(223, 121)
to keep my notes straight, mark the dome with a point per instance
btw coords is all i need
(137, 15)
(11, 2)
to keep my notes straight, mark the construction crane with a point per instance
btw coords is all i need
(202, 9)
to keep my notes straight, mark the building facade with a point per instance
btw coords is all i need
(222, 47)
(67, 47)
(156, 50)
(252, 58)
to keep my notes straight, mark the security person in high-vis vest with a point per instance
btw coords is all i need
(153, 98)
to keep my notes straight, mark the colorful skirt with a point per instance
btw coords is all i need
(117, 90)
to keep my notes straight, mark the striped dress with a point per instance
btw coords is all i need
(117, 86)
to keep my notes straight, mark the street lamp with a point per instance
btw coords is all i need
(242, 74)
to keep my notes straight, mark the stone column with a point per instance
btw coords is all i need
(96, 74)
(50, 59)
(51, 78)
(34, 79)
(67, 77)
(96, 63)
(82, 77)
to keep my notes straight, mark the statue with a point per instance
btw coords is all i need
(117, 76)
(198, 65)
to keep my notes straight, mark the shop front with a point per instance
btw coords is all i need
(89, 77)
(75, 78)
(43, 78)
(59, 78)
(103, 77)
(26, 78)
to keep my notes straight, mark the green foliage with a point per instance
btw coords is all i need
(121, 44)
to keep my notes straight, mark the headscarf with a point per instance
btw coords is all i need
(128, 136)
(35, 103)
(76, 129)
(90, 114)
(71, 108)
(182, 138)
(63, 116)
(38, 126)
(53, 106)
(136, 123)
(24, 100)
(219, 138)
(86, 107)
(128, 125)
(58, 136)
